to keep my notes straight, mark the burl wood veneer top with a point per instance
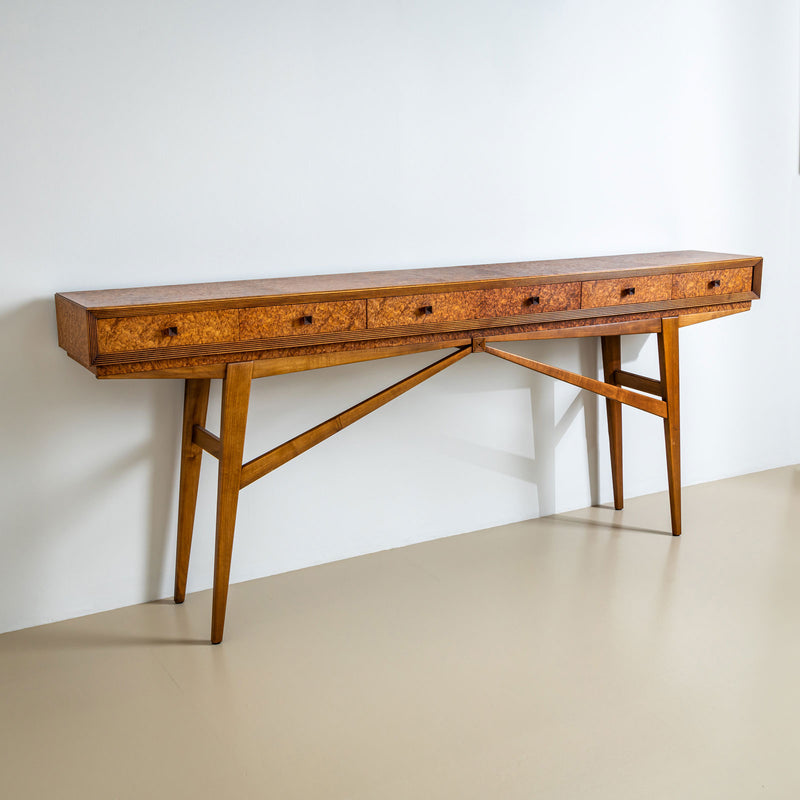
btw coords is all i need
(365, 284)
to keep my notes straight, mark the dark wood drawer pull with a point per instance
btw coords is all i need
(171, 331)
(426, 310)
(714, 283)
(534, 301)
(629, 292)
(306, 320)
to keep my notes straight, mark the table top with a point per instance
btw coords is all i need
(375, 283)
(198, 326)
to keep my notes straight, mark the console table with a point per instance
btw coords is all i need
(239, 330)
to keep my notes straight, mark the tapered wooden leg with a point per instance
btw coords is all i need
(195, 405)
(612, 361)
(668, 361)
(235, 399)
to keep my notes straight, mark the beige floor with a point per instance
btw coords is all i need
(585, 655)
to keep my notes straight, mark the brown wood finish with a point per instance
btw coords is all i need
(72, 322)
(240, 330)
(710, 282)
(235, 399)
(668, 363)
(626, 291)
(288, 364)
(424, 309)
(649, 404)
(758, 268)
(612, 361)
(130, 334)
(207, 441)
(258, 467)
(278, 346)
(638, 382)
(704, 315)
(301, 320)
(213, 366)
(231, 294)
(195, 406)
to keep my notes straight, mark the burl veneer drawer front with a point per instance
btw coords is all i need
(711, 282)
(385, 312)
(125, 334)
(302, 319)
(626, 291)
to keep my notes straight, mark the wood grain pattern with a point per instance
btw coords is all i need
(206, 440)
(650, 321)
(235, 400)
(288, 364)
(695, 316)
(392, 282)
(281, 342)
(701, 284)
(614, 292)
(618, 325)
(610, 347)
(258, 467)
(669, 368)
(240, 330)
(195, 406)
(72, 324)
(638, 382)
(387, 312)
(131, 334)
(758, 269)
(649, 404)
(293, 320)
(134, 326)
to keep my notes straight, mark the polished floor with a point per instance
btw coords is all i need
(584, 655)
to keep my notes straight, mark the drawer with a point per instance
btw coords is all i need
(125, 334)
(413, 309)
(626, 291)
(301, 319)
(711, 282)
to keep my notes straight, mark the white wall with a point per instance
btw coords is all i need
(168, 141)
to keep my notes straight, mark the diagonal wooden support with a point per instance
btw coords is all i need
(258, 467)
(649, 404)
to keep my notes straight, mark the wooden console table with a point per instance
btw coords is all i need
(240, 330)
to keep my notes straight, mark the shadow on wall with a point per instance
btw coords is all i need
(548, 432)
(70, 444)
